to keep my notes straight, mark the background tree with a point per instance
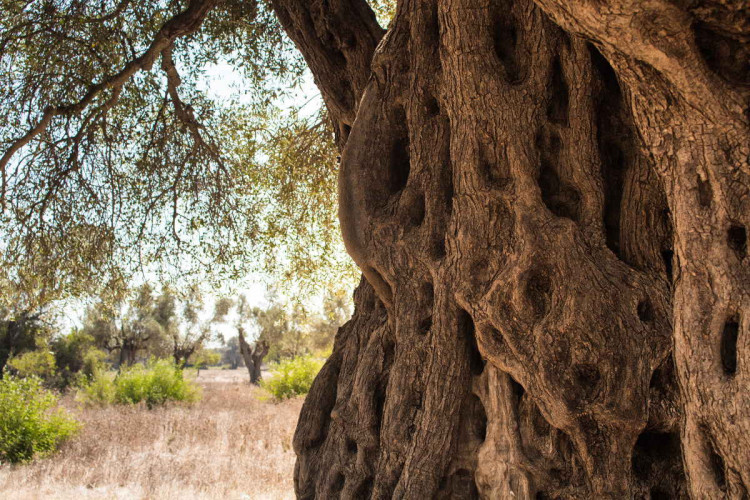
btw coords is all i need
(39, 362)
(548, 200)
(204, 358)
(285, 327)
(277, 330)
(70, 351)
(166, 314)
(125, 329)
(191, 335)
(168, 324)
(19, 333)
(138, 327)
(252, 355)
(230, 354)
(99, 322)
(337, 309)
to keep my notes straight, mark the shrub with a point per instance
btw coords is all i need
(292, 377)
(99, 388)
(158, 382)
(39, 364)
(205, 358)
(30, 426)
(93, 362)
(76, 357)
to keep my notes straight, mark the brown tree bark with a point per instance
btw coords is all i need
(549, 203)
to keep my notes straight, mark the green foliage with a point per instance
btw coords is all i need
(19, 332)
(149, 173)
(164, 324)
(93, 363)
(337, 309)
(99, 322)
(205, 357)
(99, 389)
(30, 426)
(70, 350)
(384, 10)
(285, 327)
(76, 357)
(230, 353)
(155, 384)
(300, 229)
(292, 377)
(289, 328)
(40, 364)
(192, 333)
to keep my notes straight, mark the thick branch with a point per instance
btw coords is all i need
(337, 39)
(657, 33)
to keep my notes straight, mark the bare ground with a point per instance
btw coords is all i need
(230, 445)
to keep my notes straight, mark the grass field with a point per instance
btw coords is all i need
(230, 445)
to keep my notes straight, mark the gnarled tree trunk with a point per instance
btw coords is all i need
(549, 203)
(253, 356)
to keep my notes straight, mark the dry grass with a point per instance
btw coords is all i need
(229, 445)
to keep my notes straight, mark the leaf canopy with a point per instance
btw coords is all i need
(119, 155)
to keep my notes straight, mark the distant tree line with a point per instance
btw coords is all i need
(172, 324)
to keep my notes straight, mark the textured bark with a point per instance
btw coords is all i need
(549, 203)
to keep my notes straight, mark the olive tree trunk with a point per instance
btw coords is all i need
(253, 356)
(548, 200)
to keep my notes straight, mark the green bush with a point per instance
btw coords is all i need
(205, 358)
(76, 357)
(158, 382)
(93, 362)
(40, 363)
(99, 388)
(30, 426)
(292, 377)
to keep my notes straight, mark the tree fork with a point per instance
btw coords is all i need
(549, 201)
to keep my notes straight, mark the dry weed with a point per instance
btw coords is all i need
(229, 445)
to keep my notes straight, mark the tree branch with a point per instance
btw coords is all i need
(185, 112)
(337, 38)
(654, 33)
(178, 26)
(119, 9)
